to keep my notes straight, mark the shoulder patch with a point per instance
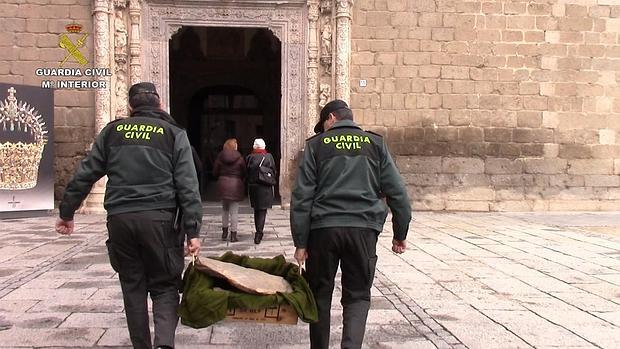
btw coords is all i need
(374, 133)
(115, 120)
(318, 134)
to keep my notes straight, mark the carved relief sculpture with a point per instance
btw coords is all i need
(120, 33)
(326, 6)
(121, 91)
(120, 69)
(325, 95)
(326, 37)
(326, 40)
(326, 48)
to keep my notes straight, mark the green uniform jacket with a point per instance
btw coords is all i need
(149, 165)
(343, 176)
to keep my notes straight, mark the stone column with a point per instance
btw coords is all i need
(101, 33)
(343, 48)
(119, 105)
(313, 65)
(135, 69)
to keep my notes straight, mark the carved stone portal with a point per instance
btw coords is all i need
(288, 23)
(314, 34)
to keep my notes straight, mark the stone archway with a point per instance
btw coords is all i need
(132, 37)
(288, 24)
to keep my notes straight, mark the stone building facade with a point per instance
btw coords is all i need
(487, 105)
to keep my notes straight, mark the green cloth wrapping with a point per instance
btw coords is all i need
(202, 306)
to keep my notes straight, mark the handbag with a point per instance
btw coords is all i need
(265, 174)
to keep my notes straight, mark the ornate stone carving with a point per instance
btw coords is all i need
(120, 65)
(313, 65)
(343, 48)
(121, 4)
(326, 6)
(173, 29)
(326, 63)
(121, 110)
(344, 5)
(101, 29)
(325, 95)
(294, 72)
(326, 39)
(326, 36)
(288, 24)
(277, 32)
(120, 33)
(156, 68)
(313, 10)
(135, 68)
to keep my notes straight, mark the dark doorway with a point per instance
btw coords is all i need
(225, 83)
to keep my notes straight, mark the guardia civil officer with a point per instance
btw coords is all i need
(148, 161)
(337, 212)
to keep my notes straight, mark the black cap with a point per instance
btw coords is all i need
(143, 87)
(329, 108)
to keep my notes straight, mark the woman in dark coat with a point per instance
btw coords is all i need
(229, 168)
(261, 195)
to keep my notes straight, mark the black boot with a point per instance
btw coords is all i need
(224, 234)
(258, 237)
(233, 236)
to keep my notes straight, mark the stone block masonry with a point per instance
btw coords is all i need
(522, 95)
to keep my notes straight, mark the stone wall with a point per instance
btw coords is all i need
(29, 40)
(494, 105)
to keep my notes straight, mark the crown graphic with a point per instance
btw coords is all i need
(73, 28)
(20, 160)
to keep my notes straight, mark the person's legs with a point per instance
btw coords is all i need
(259, 220)
(321, 268)
(359, 260)
(234, 215)
(225, 214)
(234, 220)
(165, 318)
(163, 250)
(125, 258)
(136, 311)
(259, 224)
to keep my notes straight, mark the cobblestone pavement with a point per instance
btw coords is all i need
(535, 280)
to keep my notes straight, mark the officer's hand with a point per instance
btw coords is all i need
(64, 227)
(399, 246)
(193, 246)
(301, 255)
